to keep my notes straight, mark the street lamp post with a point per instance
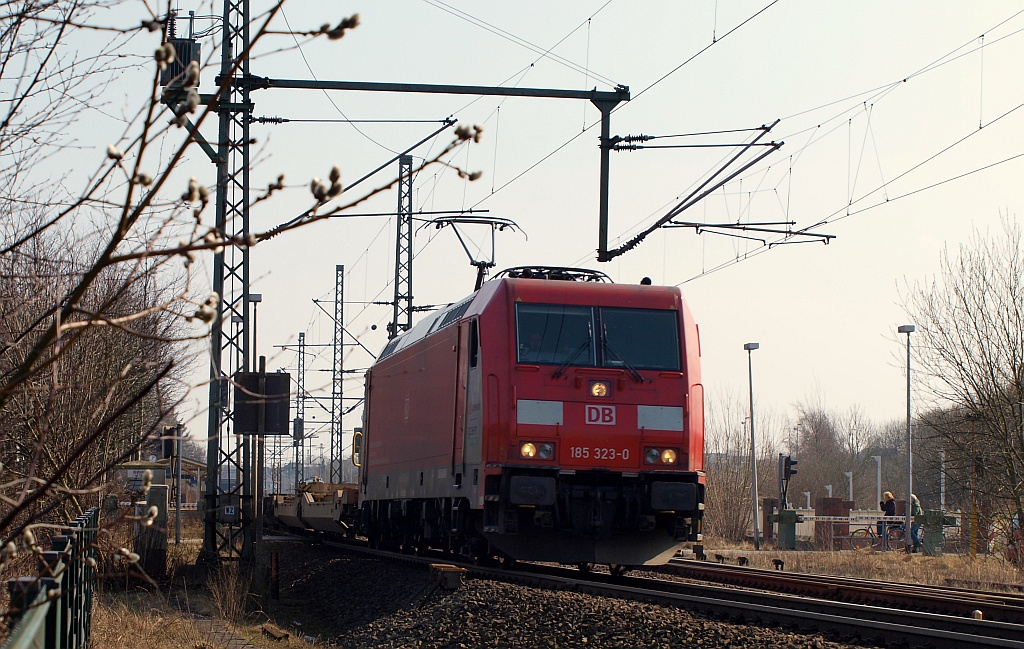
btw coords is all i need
(750, 347)
(257, 442)
(908, 329)
(849, 476)
(878, 477)
(254, 300)
(942, 481)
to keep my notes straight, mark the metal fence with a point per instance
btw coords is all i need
(53, 610)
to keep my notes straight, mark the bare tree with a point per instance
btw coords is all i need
(970, 357)
(729, 512)
(96, 267)
(832, 443)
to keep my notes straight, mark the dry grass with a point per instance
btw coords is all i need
(231, 593)
(151, 620)
(191, 526)
(182, 555)
(140, 619)
(987, 572)
(145, 618)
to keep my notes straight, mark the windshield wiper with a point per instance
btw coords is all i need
(579, 350)
(609, 350)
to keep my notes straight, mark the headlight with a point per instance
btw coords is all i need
(539, 450)
(600, 388)
(661, 456)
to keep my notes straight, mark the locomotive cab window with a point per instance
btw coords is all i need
(553, 334)
(644, 339)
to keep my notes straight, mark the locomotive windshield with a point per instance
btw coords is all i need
(553, 334)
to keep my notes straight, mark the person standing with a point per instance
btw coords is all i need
(888, 507)
(915, 527)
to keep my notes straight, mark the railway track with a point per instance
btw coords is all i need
(842, 620)
(1002, 607)
(883, 625)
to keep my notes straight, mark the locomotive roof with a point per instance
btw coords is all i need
(541, 289)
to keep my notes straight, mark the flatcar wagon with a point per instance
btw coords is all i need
(550, 416)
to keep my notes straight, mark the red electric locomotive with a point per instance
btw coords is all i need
(550, 416)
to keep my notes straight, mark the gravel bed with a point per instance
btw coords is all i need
(359, 603)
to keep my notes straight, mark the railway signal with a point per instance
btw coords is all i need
(786, 471)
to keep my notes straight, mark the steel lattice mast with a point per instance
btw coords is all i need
(402, 317)
(228, 532)
(337, 401)
(299, 423)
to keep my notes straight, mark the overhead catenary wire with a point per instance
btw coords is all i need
(882, 91)
(885, 185)
(767, 248)
(557, 149)
(845, 212)
(522, 74)
(544, 53)
(981, 84)
(943, 60)
(915, 167)
(495, 189)
(288, 120)
(298, 46)
(878, 93)
(713, 42)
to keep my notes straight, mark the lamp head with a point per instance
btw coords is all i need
(750, 346)
(255, 297)
(905, 329)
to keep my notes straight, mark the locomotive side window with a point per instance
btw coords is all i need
(644, 339)
(474, 343)
(555, 334)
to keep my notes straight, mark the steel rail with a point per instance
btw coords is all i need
(801, 613)
(1005, 607)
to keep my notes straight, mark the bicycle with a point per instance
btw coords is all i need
(867, 536)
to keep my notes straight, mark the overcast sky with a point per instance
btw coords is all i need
(901, 125)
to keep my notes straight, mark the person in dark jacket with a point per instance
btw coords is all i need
(888, 507)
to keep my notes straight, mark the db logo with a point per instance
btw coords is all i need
(601, 415)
